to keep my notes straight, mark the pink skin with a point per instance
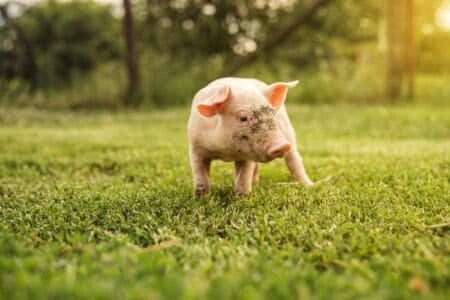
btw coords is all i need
(245, 121)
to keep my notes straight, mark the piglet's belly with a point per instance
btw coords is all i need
(236, 157)
(225, 157)
(221, 155)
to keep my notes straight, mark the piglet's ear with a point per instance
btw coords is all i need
(276, 93)
(214, 100)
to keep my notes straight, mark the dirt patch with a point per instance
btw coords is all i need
(258, 131)
(263, 119)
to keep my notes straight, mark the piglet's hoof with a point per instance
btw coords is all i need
(242, 194)
(200, 193)
(305, 184)
(309, 184)
(201, 190)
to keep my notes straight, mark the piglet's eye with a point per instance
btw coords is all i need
(243, 117)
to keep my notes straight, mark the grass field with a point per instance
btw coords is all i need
(99, 205)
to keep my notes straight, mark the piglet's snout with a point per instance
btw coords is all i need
(279, 148)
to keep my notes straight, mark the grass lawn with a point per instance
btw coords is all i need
(99, 205)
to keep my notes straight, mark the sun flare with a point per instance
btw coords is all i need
(443, 17)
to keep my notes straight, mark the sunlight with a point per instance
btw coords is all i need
(443, 17)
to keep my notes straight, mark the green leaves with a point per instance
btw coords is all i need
(69, 39)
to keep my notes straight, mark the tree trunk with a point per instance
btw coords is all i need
(411, 48)
(276, 38)
(133, 95)
(396, 13)
(30, 69)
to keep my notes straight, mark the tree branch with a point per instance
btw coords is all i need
(277, 38)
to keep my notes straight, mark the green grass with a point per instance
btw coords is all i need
(99, 205)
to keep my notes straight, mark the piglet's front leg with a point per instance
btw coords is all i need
(200, 172)
(295, 165)
(244, 177)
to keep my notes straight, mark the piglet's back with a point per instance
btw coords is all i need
(243, 83)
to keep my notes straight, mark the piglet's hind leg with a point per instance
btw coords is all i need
(200, 172)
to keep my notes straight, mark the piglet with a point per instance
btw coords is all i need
(245, 121)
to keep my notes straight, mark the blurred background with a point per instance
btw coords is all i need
(117, 54)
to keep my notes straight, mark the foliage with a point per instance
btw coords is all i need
(205, 28)
(167, 84)
(194, 27)
(98, 89)
(174, 82)
(68, 38)
(185, 44)
(99, 205)
(433, 59)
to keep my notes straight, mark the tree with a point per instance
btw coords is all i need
(224, 29)
(132, 61)
(30, 68)
(277, 38)
(400, 52)
(55, 42)
(410, 44)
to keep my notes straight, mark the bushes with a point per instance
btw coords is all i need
(99, 89)
(164, 83)
(171, 83)
(68, 39)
